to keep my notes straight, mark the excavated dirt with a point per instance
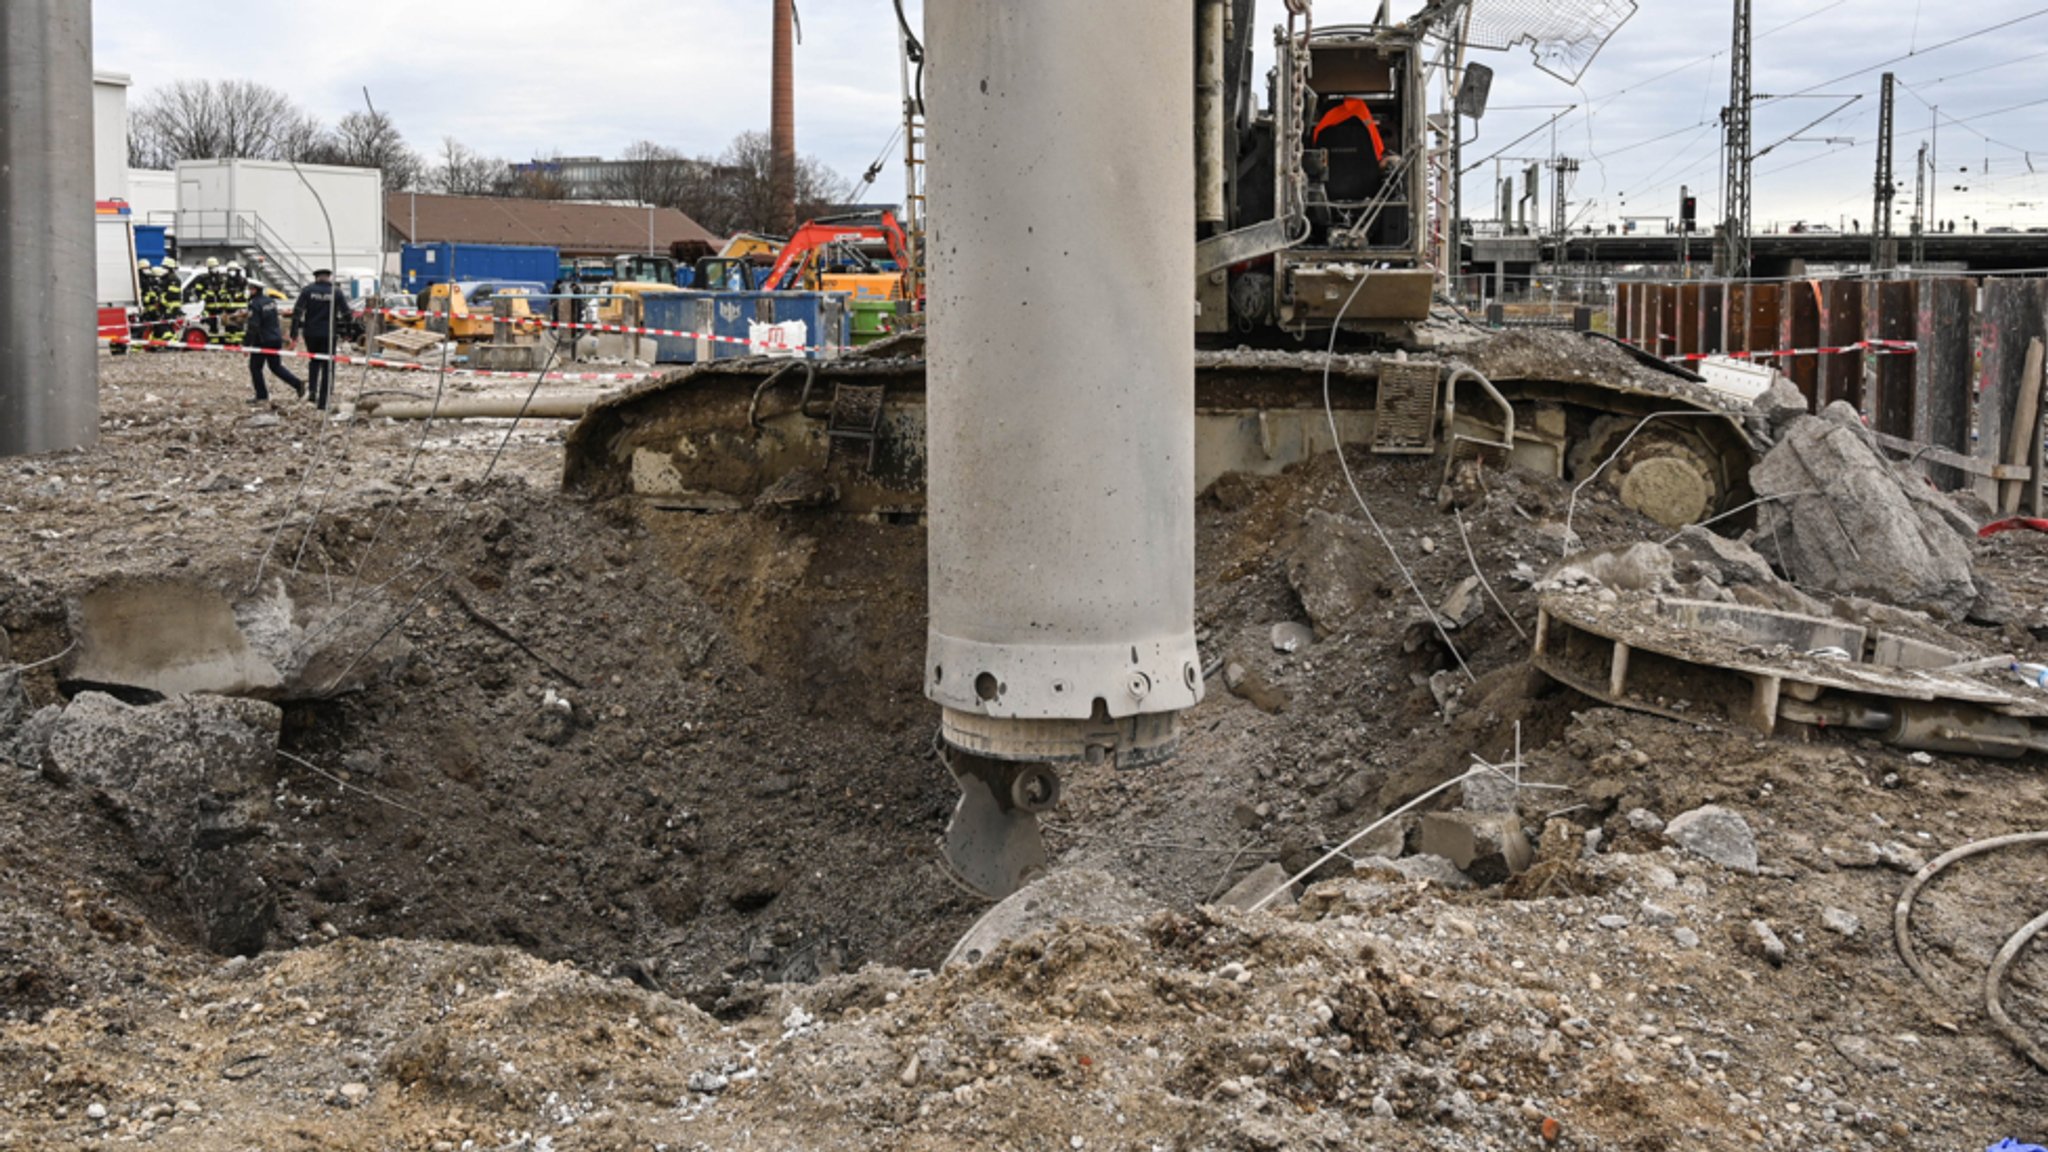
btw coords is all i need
(697, 907)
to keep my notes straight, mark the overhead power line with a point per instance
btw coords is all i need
(2003, 24)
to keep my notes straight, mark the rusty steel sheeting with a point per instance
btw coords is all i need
(1666, 296)
(1896, 317)
(1945, 370)
(1714, 318)
(1841, 325)
(1927, 395)
(1761, 330)
(1801, 329)
(1685, 329)
(2015, 312)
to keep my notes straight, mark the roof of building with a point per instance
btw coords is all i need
(575, 227)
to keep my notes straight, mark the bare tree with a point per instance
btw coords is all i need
(209, 120)
(648, 173)
(463, 171)
(538, 180)
(371, 140)
(735, 192)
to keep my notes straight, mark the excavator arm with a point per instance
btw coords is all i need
(817, 234)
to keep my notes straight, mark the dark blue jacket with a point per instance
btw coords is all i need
(319, 304)
(265, 329)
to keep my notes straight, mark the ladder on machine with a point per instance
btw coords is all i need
(911, 58)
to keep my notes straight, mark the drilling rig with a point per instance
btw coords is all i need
(1131, 296)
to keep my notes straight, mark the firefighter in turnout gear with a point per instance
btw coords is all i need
(150, 300)
(138, 320)
(159, 302)
(205, 290)
(234, 293)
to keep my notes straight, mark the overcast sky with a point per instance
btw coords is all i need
(520, 78)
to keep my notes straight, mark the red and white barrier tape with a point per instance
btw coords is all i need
(770, 346)
(396, 365)
(1877, 347)
(629, 330)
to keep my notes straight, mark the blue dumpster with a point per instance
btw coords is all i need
(729, 325)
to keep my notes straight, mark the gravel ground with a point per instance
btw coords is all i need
(707, 912)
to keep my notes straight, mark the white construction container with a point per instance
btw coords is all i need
(110, 136)
(265, 211)
(153, 195)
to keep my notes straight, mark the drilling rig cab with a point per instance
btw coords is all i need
(1325, 192)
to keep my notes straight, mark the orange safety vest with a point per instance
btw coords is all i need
(1354, 109)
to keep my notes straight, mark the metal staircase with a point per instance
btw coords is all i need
(260, 249)
(269, 270)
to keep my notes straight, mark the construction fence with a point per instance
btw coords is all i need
(1947, 371)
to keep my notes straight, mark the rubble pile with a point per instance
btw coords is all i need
(1840, 518)
(629, 839)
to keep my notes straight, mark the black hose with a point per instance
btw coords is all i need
(1994, 1005)
(913, 47)
(1902, 912)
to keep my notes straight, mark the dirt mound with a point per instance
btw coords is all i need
(638, 846)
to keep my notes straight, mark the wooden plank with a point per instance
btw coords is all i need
(1624, 316)
(1927, 453)
(2026, 428)
(2034, 490)
(2015, 313)
(1945, 370)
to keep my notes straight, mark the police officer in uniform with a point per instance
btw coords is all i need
(264, 330)
(320, 316)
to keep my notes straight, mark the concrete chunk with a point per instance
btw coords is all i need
(175, 637)
(1253, 888)
(191, 776)
(14, 707)
(1081, 894)
(1714, 833)
(1487, 846)
(1848, 521)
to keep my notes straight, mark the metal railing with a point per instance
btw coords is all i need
(235, 229)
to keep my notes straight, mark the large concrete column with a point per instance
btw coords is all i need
(49, 370)
(1061, 382)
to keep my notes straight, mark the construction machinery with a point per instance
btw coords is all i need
(623, 302)
(641, 269)
(741, 245)
(740, 266)
(864, 255)
(1319, 228)
(467, 312)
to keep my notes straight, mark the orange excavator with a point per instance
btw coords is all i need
(864, 254)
